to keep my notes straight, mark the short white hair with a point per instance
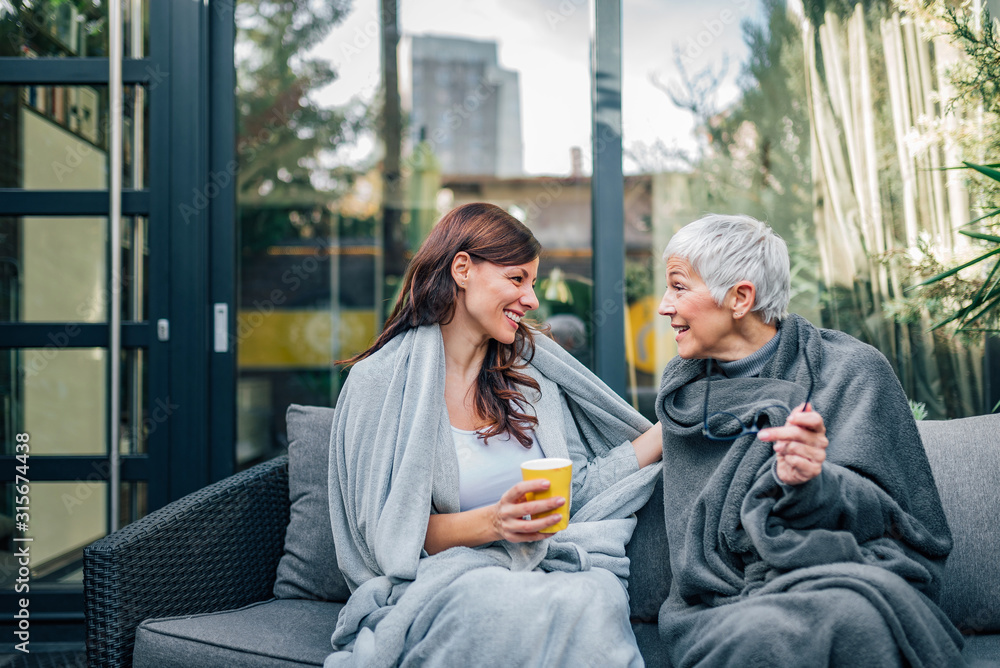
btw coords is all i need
(727, 249)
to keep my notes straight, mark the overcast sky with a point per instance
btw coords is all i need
(547, 43)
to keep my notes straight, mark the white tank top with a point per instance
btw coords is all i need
(485, 472)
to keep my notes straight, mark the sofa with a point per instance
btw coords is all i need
(243, 572)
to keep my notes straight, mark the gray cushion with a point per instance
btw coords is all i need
(982, 651)
(271, 633)
(308, 568)
(649, 563)
(965, 457)
(647, 637)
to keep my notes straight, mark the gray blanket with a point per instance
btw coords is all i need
(393, 462)
(842, 570)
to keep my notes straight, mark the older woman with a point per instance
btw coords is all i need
(803, 522)
(426, 499)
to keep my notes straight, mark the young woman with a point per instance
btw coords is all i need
(429, 513)
(803, 522)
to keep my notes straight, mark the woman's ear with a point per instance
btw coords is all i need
(744, 295)
(460, 267)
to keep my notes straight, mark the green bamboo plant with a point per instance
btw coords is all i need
(978, 311)
(981, 309)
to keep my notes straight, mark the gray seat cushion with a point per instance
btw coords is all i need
(979, 652)
(965, 458)
(308, 568)
(649, 564)
(271, 633)
(653, 649)
(982, 651)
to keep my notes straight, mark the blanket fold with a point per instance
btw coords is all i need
(393, 462)
(872, 522)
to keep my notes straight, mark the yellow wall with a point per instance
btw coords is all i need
(301, 339)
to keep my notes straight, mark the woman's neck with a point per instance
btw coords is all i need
(749, 335)
(464, 351)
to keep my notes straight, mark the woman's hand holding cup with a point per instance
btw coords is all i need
(510, 511)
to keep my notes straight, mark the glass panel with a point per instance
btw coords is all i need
(326, 229)
(57, 395)
(139, 418)
(53, 269)
(57, 28)
(135, 268)
(56, 137)
(134, 502)
(63, 518)
(832, 124)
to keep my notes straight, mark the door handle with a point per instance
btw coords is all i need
(221, 327)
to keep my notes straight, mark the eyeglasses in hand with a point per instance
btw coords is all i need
(728, 427)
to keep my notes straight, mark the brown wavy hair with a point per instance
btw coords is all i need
(428, 296)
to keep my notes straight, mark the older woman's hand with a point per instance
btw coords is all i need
(800, 445)
(509, 513)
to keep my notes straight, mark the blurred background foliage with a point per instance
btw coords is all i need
(848, 116)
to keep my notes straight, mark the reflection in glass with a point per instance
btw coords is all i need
(341, 178)
(61, 29)
(54, 269)
(57, 395)
(57, 138)
(135, 269)
(140, 417)
(64, 517)
(134, 502)
(299, 245)
(822, 121)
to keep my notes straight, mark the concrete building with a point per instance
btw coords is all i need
(465, 106)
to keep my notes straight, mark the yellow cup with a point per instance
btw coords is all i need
(559, 473)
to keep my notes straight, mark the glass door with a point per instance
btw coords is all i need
(83, 401)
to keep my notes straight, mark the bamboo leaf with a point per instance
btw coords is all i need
(990, 305)
(960, 313)
(954, 316)
(954, 270)
(991, 213)
(979, 293)
(983, 169)
(979, 235)
(945, 169)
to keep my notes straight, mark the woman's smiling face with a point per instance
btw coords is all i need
(497, 297)
(704, 329)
